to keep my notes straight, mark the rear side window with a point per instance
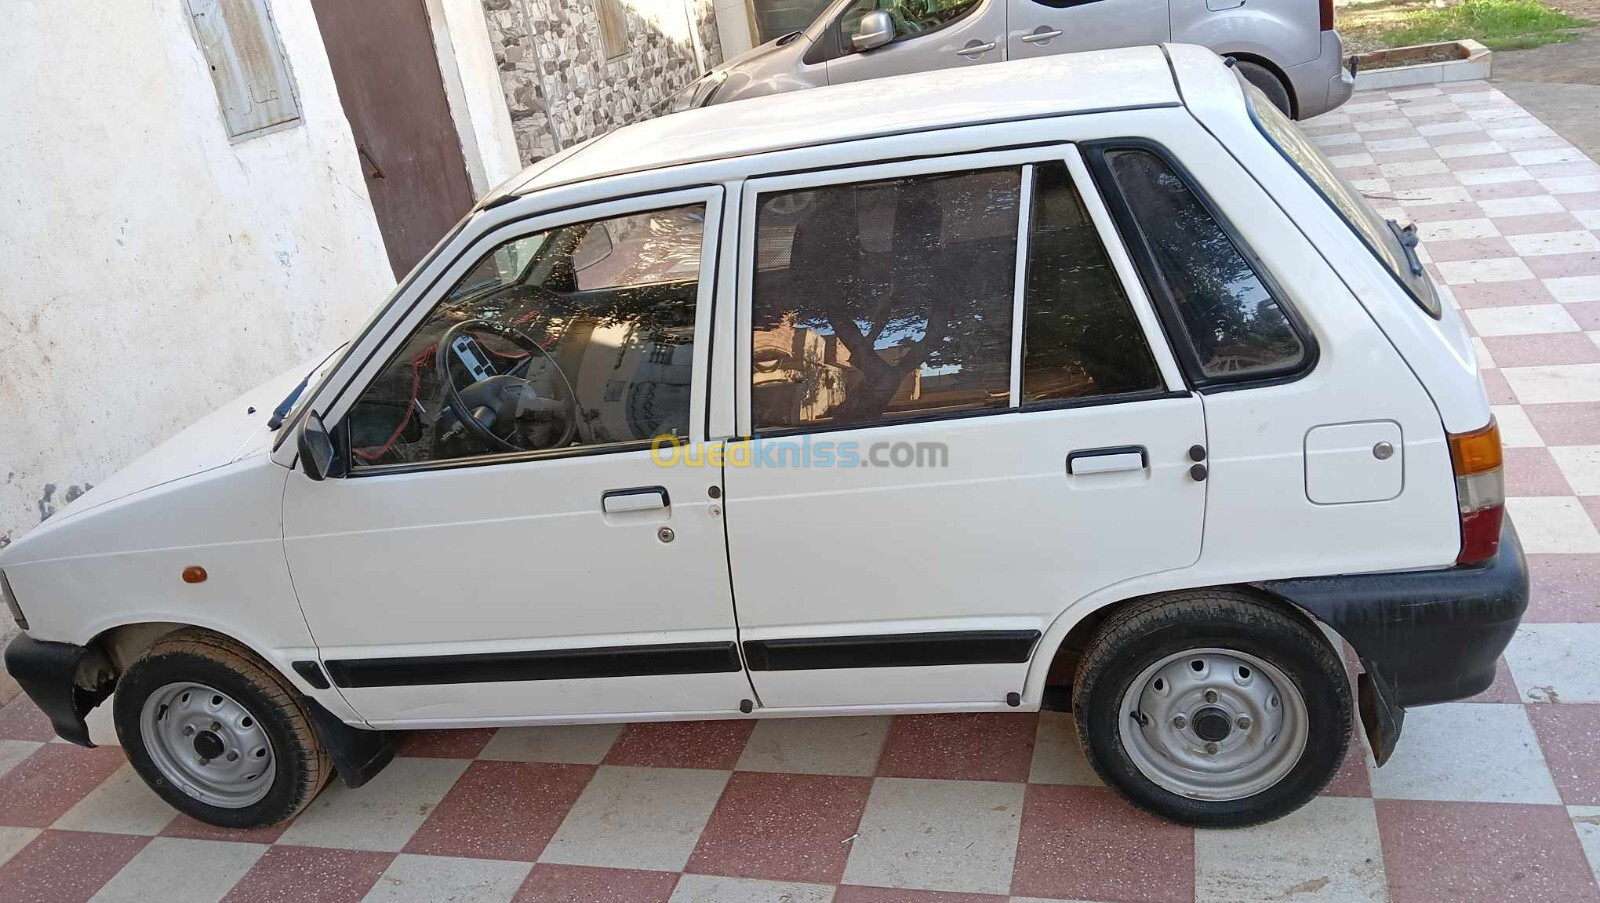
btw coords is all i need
(1080, 335)
(880, 301)
(1234, 324)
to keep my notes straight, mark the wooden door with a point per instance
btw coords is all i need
(410, 152)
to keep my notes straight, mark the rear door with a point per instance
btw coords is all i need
(963, 420)
(1043, 27)
(928, 36)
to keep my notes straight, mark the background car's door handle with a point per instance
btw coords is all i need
(974, 49)
(1108, 460)
(639, 498)
(1042, 36)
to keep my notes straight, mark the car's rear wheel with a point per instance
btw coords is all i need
(1213, 708)
(218, 734)
(1269, 83)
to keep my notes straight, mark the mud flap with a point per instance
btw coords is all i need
(357, 753)
(1380, 717)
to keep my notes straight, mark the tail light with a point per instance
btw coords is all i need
(1327, 15)
(1480, 491)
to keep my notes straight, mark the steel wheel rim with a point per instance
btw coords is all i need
(208, 745)
(1172, 716)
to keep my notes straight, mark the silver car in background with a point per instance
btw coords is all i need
(1287, 48)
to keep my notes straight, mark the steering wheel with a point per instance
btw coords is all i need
(493, 405)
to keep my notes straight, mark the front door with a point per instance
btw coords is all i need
(502, 545)
(964, 420)
(384, 65)
(1043, 27)
(927, 36)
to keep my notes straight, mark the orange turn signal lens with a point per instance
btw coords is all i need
(194, 574)
(1477, 451)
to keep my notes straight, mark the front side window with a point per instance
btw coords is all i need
(911, 17)
(579, 336)
(881, 301)
(1080, 335)
(1234, 324)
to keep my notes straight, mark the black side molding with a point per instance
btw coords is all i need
(312, 673)
(545, 664)
(901, 650)
(48, 673)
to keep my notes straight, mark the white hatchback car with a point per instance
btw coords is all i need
(903, 396)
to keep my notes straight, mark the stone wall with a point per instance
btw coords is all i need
(560, 87)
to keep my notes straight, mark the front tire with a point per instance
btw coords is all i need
(216, 733)
(1212, 708)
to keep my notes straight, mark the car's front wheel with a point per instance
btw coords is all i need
(1213, 708)
(218, 734)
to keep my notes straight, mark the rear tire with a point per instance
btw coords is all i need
(1269, 83)
(1212, 708)
(218, 734)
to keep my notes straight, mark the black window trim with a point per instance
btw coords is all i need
(1155, 284)
(712, 246)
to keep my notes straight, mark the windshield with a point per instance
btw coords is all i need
(1392, 244)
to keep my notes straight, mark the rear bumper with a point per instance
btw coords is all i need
(1423, 636)
(1322, 84)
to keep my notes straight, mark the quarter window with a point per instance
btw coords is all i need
(881, 301)
(1236, 326)
(1080, 335)
(580, 336)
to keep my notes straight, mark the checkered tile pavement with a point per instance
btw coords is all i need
(1497, 798)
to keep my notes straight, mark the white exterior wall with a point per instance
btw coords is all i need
(152, 269)
(477, 99)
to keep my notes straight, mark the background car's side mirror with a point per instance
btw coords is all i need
(316, 447)
(875, 29)
(595, 247)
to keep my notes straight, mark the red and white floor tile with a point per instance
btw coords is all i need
(1496, 798)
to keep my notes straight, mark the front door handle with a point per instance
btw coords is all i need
(639, 498)
(1044, 34)
(1112, 459)
(975, 49)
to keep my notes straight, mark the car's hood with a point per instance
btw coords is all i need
(225, 435)
(758, 52)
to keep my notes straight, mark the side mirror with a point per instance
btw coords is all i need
(595, 247)
(874, 30)
(316, 448)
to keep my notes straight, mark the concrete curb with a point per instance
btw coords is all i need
(1476, 62)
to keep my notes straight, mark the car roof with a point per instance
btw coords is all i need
(1120, 79)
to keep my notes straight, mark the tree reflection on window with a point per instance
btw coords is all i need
(1234, 323)
(884, 300)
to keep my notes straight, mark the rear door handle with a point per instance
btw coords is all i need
(639, 498)
(1042, 36)
(974, 49)
(1107, 460)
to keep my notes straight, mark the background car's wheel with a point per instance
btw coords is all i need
(1270, 84)
(218, 734)
(1212, 708)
